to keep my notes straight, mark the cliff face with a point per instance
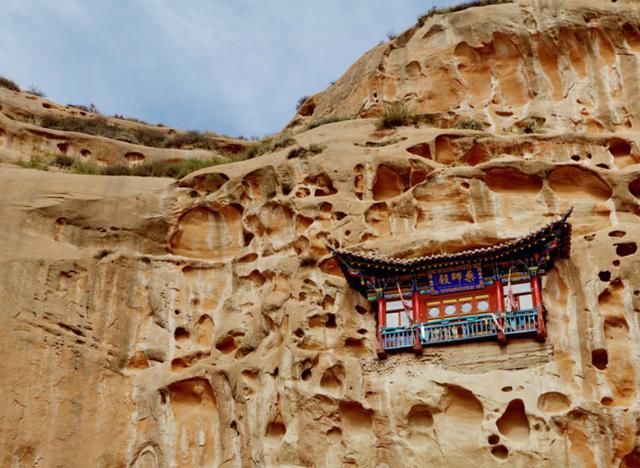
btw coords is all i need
(569, 66)
(204, 323)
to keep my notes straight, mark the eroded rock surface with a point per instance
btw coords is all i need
(150, 323)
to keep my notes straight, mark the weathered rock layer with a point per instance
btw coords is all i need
(204, 323)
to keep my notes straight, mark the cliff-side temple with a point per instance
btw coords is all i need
(459, 296)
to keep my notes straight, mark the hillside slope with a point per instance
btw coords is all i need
(203, 322)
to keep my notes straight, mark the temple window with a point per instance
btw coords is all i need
(491, 292)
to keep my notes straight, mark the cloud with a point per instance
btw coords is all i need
(235, 67)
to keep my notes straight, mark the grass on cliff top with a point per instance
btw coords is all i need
(173, 169)
(462, 6)
(7, 83)
(156, 137)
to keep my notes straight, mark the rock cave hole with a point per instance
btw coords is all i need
(462, 407)
(631, 459)
(421, 149)
(617, 233)
(508, 388)
(604, 275)
(514, 423)
(276, 430)
(619, 147)
(356, 345)
(634, 188)
(616, 263)
(419, 418)
(331, 321)
(332, 378)
(227, 345)
(334, 434)
(600, 358)
(625, 249)
(493, 439)
(553, 402)
(500, 451)
(306, 374)
(575, 157)
(181, 333)
(606, 401)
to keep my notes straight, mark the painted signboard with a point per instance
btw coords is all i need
(460, 279)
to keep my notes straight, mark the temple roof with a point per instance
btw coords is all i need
(535, 242)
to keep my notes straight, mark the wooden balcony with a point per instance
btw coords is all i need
(458, 329)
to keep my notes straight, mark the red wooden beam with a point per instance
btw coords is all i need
(382, 323)
(537, 303)
(502, 338)
(417, 318)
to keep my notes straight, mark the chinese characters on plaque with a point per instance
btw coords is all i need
(457, 280)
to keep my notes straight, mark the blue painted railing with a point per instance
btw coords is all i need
(454, 329)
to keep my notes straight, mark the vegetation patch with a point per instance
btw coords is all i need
(268, 145)
(469, 124)
(9, 84)
(301, 151)
(380, 144)
(35, 91)
(462, 6)
(173, 169)
(396, 115)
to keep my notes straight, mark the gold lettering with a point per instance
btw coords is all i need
(456, 276)
(469, 276)
(444, 279)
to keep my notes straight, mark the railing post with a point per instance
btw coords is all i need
(415, 302)
(382, 323)
(537, 303)
(502, 338)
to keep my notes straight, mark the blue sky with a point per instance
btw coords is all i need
(232, 66)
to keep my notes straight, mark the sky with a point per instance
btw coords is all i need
(236, 67)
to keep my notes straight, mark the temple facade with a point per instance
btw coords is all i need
(486, 293)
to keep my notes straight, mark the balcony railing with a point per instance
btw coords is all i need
(455, 329)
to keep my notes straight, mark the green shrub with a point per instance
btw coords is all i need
(395, 115)
(469, 124)
(7, 83)
(192, 139)
(64, 161)
(301, 101)
(462, 6)
(90, 108)
(268, 145)
(119, 170)
(89, 168)
(302, 151)
(35, 91)
(38, 161)
(315, 148)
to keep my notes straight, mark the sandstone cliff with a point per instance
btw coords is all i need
(155, 323)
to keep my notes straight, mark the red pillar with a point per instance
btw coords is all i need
(416, 316)
(502, 338)
(382, 323)
(537, 304)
